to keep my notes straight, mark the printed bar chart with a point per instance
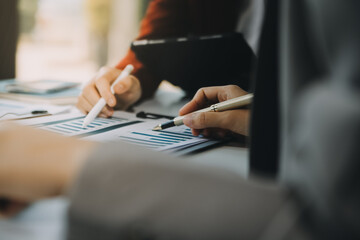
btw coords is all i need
(131, 130)
(73, 126)
(172, 139)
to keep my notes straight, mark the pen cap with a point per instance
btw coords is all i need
(129, 68)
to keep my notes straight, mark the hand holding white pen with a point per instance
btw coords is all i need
(101, 103)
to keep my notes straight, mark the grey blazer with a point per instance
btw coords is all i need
(127, 193)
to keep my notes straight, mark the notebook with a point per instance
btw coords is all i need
(198, 61)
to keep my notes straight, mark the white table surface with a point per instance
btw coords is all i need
(45, 220)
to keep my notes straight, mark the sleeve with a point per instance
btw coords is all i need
(124, 192)
(324, 141)
(164, 18)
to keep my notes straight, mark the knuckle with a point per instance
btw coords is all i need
(135, 82)
(199, 97)
(102, 89)
(201, 91)
(87, 89)
(80, 99)
(81, 107)
(201, 119)
(86, 92)
(232, 86)
(78, 105)
(231, 89)
(133, 79)
(101, 80)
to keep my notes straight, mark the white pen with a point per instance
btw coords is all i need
(101, 103)
(218, 107)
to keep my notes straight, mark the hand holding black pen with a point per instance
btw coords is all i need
(218, 107)
(228, 97)
(216, 124)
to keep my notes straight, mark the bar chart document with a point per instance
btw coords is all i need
(125, 127)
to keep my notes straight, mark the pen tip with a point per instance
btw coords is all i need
(157, 128)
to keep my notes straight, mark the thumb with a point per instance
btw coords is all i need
(124, 85)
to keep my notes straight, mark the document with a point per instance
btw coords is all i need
(10, 110)
(126, 127)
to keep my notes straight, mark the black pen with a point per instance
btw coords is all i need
(218, 107)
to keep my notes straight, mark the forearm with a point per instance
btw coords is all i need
(36, 164)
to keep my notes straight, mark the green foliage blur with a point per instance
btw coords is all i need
(98, 15)
(27, 13)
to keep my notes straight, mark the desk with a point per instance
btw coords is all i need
(46, 219)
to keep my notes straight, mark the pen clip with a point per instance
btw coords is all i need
(148, 115)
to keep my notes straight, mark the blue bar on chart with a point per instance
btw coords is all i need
(159, 139)
(73, 127)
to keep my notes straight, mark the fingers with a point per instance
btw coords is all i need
(210, 95)
(97, 88)
(85, 106)
(236, 121)
(124, 85)
(103, 84)
(202, 98)
(91, 96)
(103, 87)
(128, 91)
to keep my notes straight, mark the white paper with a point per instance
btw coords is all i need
(10, 110)
(122, 127)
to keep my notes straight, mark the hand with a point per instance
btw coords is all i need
(216, 124)
(127, 92)
(36, 164)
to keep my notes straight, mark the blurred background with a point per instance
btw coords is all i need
(70, 39)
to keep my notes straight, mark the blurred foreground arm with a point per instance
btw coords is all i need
(37, 164)
(149, 195)
(122, 191)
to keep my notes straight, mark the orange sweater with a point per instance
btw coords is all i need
(176, 18)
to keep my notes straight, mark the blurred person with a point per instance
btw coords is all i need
(9, 35)
(119, 191)
(163, 19)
